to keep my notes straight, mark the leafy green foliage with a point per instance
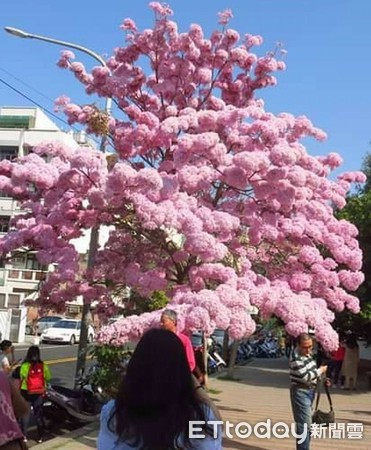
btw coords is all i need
(366, 169)
(158, 300)
(111, 362)
(358, 211)
(139, 305)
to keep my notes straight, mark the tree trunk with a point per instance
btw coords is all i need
(86, 314)
(225, 349)
(232, 358)
(205, 353)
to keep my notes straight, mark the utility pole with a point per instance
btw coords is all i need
(94, 234)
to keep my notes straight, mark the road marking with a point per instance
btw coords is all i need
(63, 360)
(60, 361)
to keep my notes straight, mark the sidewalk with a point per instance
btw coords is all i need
(82, 439)
(261, 393)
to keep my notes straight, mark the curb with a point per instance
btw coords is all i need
(61, 441)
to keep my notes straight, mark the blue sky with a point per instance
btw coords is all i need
(328, 59)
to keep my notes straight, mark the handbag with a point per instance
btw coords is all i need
(320, 417)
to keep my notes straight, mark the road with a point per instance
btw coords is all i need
(60, 358)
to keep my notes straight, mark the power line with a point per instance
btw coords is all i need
(36, 103)
(26, 84)
(42, 107)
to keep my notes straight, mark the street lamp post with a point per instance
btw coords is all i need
(94, 235)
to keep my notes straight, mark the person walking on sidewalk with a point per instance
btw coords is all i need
(303, 376)
(169, 320)
(34, 375)
(335, 365)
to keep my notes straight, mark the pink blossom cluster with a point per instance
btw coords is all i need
(212, 199)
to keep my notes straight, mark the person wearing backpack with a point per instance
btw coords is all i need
(35, 375)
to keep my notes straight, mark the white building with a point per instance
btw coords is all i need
(21, 129)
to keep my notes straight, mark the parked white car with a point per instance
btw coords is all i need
(66, 330)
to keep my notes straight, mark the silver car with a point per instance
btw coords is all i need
(46, 322)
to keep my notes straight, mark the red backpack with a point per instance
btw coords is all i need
(35, 379)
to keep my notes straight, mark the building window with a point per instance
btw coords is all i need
(14, 300)
(2, 300)
(19, 261)
(40, 276)
(14, 274)
(33, 264)
(8, 152)
(26, 275)
(20, 122)
(4, 224)
(27, 261)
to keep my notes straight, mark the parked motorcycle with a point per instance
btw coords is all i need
(81, 404)
(214, 361)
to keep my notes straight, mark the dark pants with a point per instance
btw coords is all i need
(301, 403)
(36, 402)
(288, 351)
(335, 368)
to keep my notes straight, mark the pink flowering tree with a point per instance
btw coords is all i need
(209, 198)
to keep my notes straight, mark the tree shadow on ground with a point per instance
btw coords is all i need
(346, 420)
(359, 412)
(274, 372)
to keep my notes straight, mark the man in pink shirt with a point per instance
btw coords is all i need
(169, 322)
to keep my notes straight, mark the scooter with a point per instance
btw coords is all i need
(213, 354)
(80, 404)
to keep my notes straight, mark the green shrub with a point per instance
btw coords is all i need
(110, 365)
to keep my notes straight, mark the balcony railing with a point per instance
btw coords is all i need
(26, 275)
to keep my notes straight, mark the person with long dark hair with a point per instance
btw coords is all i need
(34, 375)
(157, 400)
